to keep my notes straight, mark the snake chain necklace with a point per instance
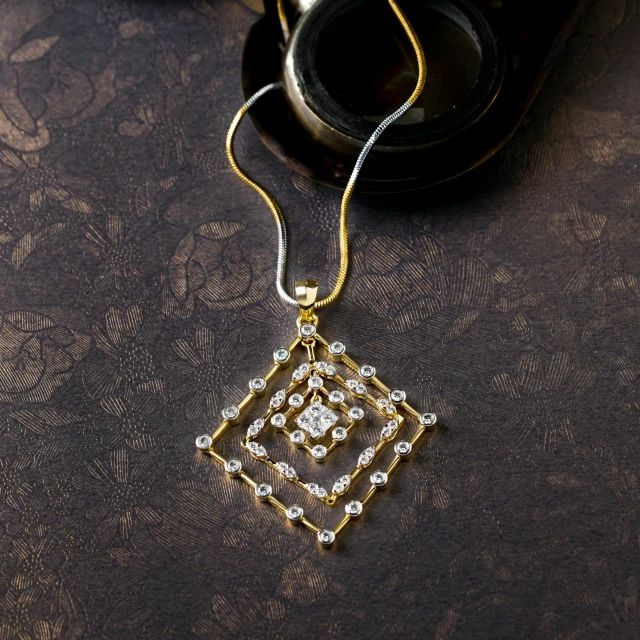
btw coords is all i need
(326, 394)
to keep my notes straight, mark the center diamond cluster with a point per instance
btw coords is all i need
(316, 420)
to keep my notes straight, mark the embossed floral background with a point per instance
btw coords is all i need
(136, 290)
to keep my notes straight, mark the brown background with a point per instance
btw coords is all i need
(511, 307)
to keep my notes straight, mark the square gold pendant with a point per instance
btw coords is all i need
(326, 398)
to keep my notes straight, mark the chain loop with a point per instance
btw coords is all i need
(348, 192)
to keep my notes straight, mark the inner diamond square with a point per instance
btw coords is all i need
(316, 420)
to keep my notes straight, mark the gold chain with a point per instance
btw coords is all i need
(348, 192)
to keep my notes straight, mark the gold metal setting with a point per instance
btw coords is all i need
(311, 377)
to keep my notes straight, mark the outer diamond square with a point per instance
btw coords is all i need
(316, 420)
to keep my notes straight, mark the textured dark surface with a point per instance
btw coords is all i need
(511, 306)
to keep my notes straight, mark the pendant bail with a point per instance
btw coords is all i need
(306, 294)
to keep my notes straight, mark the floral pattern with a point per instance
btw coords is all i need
(137, 300)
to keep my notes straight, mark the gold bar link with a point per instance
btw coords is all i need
(245, 402)
(367, 497)
(216, 456)
(341, 525)
(219, 432)
(307, 523)
(248, 480)
(277, 504)
(272, 372)
(393, 465)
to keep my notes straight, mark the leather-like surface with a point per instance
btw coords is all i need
(137, 298)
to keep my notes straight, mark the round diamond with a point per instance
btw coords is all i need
(257, 384)
(278, 420)
(353, 508)
(397, 396)
(295, 514)
(204, 442)
(233, 467)
(296, 400)
(339, 434)
(297, 437)
(319, 452)
(281, 355)
(367, 371)
(230, 413)
(402, 448)
(336, 348)
(336, 397)
(379, 479)
(307, 330)
(428, 419)
(326, 537)
(315, 382)
(263, 491)
(356, 413)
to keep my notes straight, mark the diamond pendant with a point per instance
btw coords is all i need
(327, 396)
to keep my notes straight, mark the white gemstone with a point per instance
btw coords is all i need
(317, 491)
(367, 371)
(278, 399)
(307, 331)
(356, 413)
(278, 420)
(325, 369)
(233, 467)
(428, 419)
(295, 513)
(336, 348)
(204, 442)
(281, 355)
(316, 420)
(297, 437)
(397, 396)
(315, 382)
(336, 397)
(385, 406)
(379, 478)
(255, 428)
(339, 434)
(365, 458)
(319, 452)
(256, 449)
(286, 471)
(257, 384)
(389, 430)
(341, 484)
(357, 387)
(353, 508)
(402, 448)
(300, 372)
(326, 537)
(230, 413)
(296, 400)
(263, 491)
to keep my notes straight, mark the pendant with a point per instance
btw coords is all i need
(326, 397)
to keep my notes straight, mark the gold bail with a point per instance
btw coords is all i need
(306, 293)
